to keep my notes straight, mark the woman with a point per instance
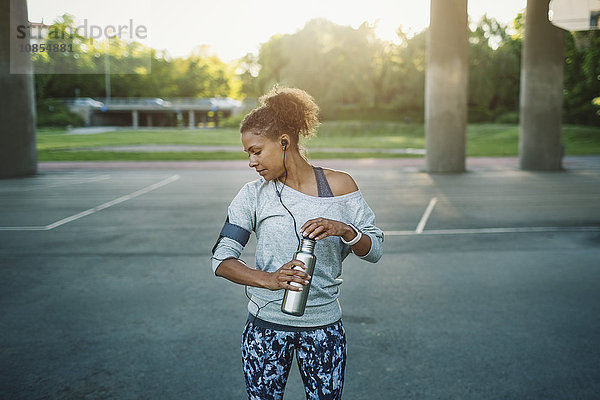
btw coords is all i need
(327, 206)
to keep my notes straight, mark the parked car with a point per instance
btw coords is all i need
(157, 102)
(87, 102)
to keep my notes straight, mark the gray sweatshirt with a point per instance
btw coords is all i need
(257, 208)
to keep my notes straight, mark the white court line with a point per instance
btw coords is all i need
(476, 231)
(23, 228)
(426, 215)
(92, 210)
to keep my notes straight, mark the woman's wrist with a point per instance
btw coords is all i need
(348, 234)
(264, 279)
(352, 235)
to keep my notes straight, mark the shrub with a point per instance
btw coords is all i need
(479, 114)
(232, 121)
(365, 113)
(54, 113)
(508, 118)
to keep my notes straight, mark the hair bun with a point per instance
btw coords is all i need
(283, 111)
(294, 110)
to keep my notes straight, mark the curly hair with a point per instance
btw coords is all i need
(283, 110)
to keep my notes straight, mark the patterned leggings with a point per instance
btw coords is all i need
(267, 357)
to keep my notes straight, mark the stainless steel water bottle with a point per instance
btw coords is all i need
(294, 302)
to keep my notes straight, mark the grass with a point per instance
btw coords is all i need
(489, 140)
(137, 156)
(62, 140)
(372, 136)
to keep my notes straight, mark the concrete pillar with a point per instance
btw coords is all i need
(446, 86)
(18, 154)
(541, 94)
(135, 119)
(192, 119)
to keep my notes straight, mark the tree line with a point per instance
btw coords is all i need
(351, 72)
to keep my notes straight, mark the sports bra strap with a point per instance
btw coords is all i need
(322, 184)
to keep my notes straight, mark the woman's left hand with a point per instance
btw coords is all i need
(320, 228)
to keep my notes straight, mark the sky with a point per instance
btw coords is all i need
(233, 28)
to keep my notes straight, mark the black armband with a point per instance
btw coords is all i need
(234, 232)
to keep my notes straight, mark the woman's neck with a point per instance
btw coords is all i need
(300, 173)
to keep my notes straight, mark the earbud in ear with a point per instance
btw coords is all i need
(284, 143)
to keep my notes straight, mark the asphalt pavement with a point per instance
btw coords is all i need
(489, 287)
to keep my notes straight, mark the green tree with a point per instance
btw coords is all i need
(247, 70)
(336, 64)
(582, 77)
(136, 70)
(406, 83)
(494, 70)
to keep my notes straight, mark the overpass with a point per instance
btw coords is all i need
(150, 112)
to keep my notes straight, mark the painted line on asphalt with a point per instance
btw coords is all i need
(93, 210)
(426, 215)
(476, 231)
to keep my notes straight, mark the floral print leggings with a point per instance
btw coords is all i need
(267, 356)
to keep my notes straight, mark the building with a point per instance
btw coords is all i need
(154, 112)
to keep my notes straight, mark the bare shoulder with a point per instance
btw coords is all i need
(341, 183)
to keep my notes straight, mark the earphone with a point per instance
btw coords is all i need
(285, 143)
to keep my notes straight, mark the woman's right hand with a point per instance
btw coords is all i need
(281, 278)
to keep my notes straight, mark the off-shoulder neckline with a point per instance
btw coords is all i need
(308, 196)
